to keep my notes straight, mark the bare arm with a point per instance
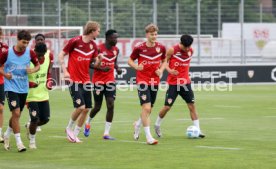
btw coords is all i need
(61, 57)
(135, 66)
(168, 57)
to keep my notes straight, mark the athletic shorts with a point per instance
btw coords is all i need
(185, 91)
(147, 94)
(81, 94)
(16, 100)
(39, 110)
(2, 94)
(106, 90)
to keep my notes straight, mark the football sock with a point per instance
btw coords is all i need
(138, 122)
(8, 132)
(32, 138)
(196, 123)
(158, 121)
(77, 130)
(0, 131)
(18, 138)
(70, 124)
(107, 128)
(89, 119)
(148, 134)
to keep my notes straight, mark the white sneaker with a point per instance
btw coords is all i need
(32, 146)
(78, 140)
(136, 131)
(21, 147)
(158, 131)
(7, 143)
(152, 142)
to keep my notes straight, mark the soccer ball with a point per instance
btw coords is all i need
(192, 132)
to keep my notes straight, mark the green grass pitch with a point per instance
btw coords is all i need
(239, 125)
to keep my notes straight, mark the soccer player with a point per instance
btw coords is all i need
(179, 57)
(38, 96)
(104, 82)
(82, 52)
(3, 48)
(40, 38)
(15, 66)
(151, 64)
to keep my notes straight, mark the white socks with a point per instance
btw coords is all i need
(8, 132)
(77, 130)
(70, 124)
(32, 138)
(107, 128)
(18, 138)
(89, 119)
(158, 121)
(196, 123)
(148, 134)
(138, 122)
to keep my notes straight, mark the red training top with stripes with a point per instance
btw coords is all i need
(108, 60)
(151, 58)
(180, 61)
(80, 56)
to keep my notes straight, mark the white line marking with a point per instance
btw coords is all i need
(227, 106)
(222, 148)
(270, 116)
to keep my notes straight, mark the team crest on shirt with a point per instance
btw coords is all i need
(91, 46)
(98, 92)
(157, 49)
(13, 103)
(34, 113)
(78, 101)
(144, 97)
(170, 100)
(115, 52)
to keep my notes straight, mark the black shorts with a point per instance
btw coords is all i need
(106, 90)
(185, 91)
(39, 110)
(147, 94)
(81, 94)
(16, 100)
(2, 94)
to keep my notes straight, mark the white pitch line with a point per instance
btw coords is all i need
(221, 148)
(226, 106)
(270, 116)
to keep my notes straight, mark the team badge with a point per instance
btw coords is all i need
(78, 101)
(91, 46)
(250, 73)
(144, 97)
(13, 103)
(157, 49)
(169, 101)
(115, 52)
(34, 113)
(98, 92)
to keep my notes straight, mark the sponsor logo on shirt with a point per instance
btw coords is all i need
(147, 62)
(83, 59)
(180, 64)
